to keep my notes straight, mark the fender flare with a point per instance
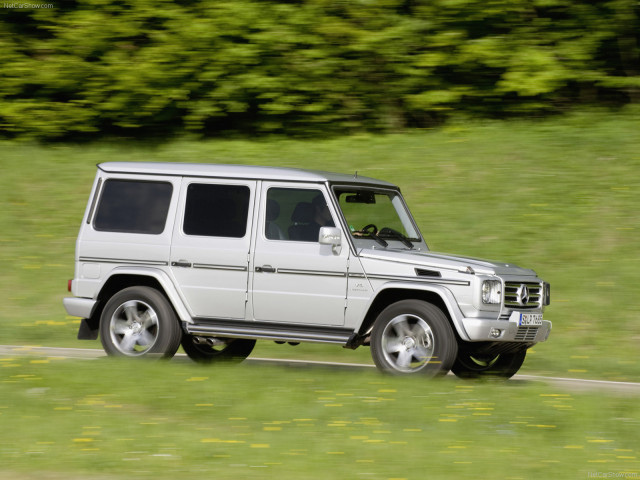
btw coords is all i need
(163, 279)
(442, 291)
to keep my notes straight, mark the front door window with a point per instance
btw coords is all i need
(296, 214)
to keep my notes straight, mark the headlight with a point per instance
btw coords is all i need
(491, 291)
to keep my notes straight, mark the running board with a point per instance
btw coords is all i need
(269, 331)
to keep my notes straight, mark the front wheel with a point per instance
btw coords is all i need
(504, 365)
(214, 349)
(139, 321)
(413, 337)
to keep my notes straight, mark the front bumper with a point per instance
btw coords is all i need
(491, 330)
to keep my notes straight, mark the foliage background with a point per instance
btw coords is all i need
(87, 68)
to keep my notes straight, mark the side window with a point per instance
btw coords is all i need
(296, 214)
(133, 206)
(216, 210)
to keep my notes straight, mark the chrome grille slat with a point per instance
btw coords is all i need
(512, 298)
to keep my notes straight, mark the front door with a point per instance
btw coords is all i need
(295, 278)
(210, 248)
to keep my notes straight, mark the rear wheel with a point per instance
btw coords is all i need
(413, 337)
(215, 349)
(504, 365)
(139, 321)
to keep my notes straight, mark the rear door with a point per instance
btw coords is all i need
(210, 248)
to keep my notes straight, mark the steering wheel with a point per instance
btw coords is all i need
(369, 229)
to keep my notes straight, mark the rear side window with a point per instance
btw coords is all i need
(216, 210)
(132, 206)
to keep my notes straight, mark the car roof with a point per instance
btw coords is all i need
(253, 172)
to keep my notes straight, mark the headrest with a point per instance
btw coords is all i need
(303, 213)
(273, 210)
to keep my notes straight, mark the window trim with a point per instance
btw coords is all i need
(94, 202)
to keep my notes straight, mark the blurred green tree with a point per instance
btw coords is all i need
(154, 68)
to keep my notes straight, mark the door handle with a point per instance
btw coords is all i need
(266, 269)
(181, 263)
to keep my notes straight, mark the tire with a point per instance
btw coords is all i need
(139, 322)
(413, 337)
(503, 366)
(220, 350)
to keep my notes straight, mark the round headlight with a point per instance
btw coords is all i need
(491, 291)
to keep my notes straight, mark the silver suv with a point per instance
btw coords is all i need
(214, 257)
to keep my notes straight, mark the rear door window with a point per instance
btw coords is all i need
(216, 210)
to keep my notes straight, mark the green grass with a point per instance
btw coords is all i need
(560, 196)
(111, 419)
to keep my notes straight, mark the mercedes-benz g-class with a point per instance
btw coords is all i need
(215, 257)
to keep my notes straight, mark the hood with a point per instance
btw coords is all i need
(446, 262)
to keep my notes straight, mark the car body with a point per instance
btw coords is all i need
(215, 257)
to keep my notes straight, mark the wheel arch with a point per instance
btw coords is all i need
(122, 278)
(392, 293)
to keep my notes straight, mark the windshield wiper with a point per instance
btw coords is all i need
(398, 236)
(377, 239)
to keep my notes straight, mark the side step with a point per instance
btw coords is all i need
(269, 331)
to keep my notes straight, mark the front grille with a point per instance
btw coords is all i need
(523, 295)
(526, 334)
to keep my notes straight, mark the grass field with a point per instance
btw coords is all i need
(109, 419)
(560, 196)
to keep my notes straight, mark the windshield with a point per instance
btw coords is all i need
(377, 214)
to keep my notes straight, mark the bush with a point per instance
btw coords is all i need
(143, 67)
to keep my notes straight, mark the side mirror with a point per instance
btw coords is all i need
(331, 236)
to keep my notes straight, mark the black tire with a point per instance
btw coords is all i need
(219, 350)
(413, 337)
(505, 365)
(139, 322)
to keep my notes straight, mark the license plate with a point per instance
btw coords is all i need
(530, 319)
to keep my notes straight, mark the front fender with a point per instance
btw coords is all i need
(441, 291)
